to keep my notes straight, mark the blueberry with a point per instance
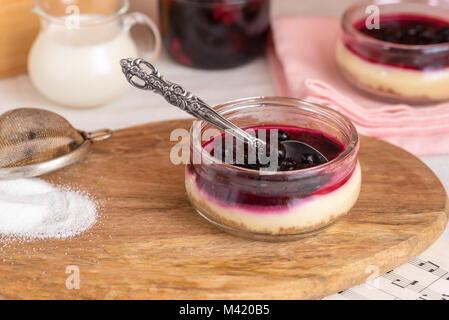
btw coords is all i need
(398, 34)
(443, 34)
(389, 38)
(412, 32)
(427, 35)
(307, 159)
(282, 135)
(281, 152)
(288, 165)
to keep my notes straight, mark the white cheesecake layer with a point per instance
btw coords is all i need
(306, 215)
(412, 84)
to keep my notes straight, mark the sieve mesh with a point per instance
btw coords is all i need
(30, 136)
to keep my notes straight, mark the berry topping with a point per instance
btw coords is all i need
(282, 135)
(239, 155)
(409, 30)
(261, 191)
(404, 29)
(288, 165)
(307, 159)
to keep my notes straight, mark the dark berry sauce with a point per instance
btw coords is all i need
(404, 29)
(245, 190)
(214, 34)
(327, 145)
(408, 29)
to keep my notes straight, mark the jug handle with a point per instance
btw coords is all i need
(133, 18)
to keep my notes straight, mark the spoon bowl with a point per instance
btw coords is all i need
(296, 149)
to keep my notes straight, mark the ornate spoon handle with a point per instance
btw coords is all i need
(151, 79)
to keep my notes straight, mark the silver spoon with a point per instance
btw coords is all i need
(151, 79)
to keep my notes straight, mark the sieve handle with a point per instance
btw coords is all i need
(97, 135)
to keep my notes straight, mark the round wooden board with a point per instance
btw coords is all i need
(150, 243)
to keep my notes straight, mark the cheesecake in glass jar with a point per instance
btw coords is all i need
(291, 200)
(405, 57)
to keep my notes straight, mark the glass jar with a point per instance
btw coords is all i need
(214, 34)
(280, 205)
(412, 73)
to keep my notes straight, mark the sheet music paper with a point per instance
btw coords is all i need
(424, 278)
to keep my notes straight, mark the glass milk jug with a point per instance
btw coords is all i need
(75, 59)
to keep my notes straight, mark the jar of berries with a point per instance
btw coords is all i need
(214, 34)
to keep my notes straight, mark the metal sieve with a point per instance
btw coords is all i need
(34, 142)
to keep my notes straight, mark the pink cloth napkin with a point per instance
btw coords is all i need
(303, 65)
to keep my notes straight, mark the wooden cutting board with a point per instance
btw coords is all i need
(150, 243)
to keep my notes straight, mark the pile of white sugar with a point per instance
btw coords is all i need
(35, 209)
